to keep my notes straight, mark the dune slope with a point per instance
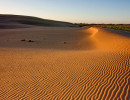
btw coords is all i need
(93, 64)
(19, 21)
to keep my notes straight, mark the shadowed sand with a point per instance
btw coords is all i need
(64, 64)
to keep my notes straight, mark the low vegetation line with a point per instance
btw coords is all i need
(125, 27)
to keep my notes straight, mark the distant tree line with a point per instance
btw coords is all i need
(125, 27)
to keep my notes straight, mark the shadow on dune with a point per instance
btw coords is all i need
(47, 38)
(19, 21)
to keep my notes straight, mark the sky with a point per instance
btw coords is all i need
(75, 11)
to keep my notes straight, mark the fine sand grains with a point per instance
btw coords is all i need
(97, 72)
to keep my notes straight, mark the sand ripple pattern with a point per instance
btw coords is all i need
(65, 75)
(34, 74)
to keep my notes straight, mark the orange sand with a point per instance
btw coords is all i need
(92, 64)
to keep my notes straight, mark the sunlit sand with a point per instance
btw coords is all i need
(64, 64)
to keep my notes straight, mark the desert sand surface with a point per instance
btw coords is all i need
(64, 64)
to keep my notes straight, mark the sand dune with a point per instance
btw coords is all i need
(64, 64)
(20, 21)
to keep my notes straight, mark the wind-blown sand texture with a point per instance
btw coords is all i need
(64, 64)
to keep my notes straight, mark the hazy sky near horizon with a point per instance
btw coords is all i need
(85, 11)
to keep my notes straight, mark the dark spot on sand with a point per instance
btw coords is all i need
(30, 41)
(65, 42)
(23, 40)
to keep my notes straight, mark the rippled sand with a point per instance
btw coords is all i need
(64, 64)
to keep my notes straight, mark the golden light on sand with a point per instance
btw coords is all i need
(92, 31)
(64, 64)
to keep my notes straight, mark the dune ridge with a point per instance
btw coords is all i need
(95, 67)
(22, 21)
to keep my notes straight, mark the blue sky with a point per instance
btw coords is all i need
(85, 11)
